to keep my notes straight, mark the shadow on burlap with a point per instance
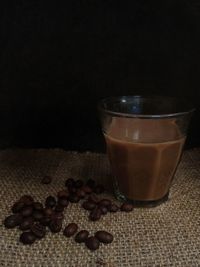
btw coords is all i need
(168, 235)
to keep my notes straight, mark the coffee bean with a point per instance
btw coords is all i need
(17, 207)
(92, 243)
(50, 202)
(104, 237)
(26, 223)
(72, 190)
(81, 236)
(37, 206)
(103, 209)
(38, 230)
(87, 189)
(63, 193)
(127, 207)
(58, 215)
(69, 182)
(70, 229)
(48, 212)
(90, 183)
(95, 214)
(38, 215)
(104, 202)
(74, 198)
(46, 179)
(113, 208)
(88, 205)
(63, 201)
(93, 198)
(59, 208)
(55, 225)
(46, 221)
(26, 211)
(99, 189)
(80, 193)
(27, 238)
(12, 220)
(26, 199)
(78, 183)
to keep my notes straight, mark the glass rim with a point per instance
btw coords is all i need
(103, 101)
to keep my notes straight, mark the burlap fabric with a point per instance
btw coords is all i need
(168, 235)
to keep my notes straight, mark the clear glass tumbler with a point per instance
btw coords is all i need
(145, 138)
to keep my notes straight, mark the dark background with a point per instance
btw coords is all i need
(58, 60)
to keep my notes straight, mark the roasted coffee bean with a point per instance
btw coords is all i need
(37, 206)
(46, 179)
(88, 205)
(80, 193)
(105, 202)
(99, 189)
(12, 220)
(93, 198)
(46, 221)
(38, 215)
(127, 207)
(70, 229)
(59, 208)
(63, 193)
(17, 207)
(63, 201)
(48, 212)
(92, 243)
(104, 237)
(58, 215)
(69, 182)
(113, 208)
(38, 230)
(73, 198)
(78, 183)
(103, 209)
(50, 202)
(72, 190)
(87, 189)
(55, 225)
(26, 211)
(81, 236)
(27, 238)
(26, 199)
(26, 223)
(90, 183)
(95, 214)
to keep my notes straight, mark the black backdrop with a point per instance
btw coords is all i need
(58, 60)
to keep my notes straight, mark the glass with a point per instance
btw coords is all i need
(145, 138)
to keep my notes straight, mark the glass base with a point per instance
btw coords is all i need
(141, 203)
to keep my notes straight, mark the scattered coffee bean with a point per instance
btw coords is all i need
(104, 237)
(69, 182)
(99, 189)
(88, 205)
(127, 207)
(73, 198)
(46, 179)
(59, 208)
(105, 202)
(46, 221)
(93, 198)
(38, 230)
(81, 236)
(26, 223)
(26, 211)
(48, 212)
(63, 193)
(78, 183)
(12, 220)
(95, 214)
(103, 209)
(58, 215)
(80, 193)
(70, 229)
(50, 202)
(26, 199)
(113, 208)
(55, 225)
(63, 201)
(87, 189)
(72, 190)
(37, 206)
(92, 243)
(17, 207)
(38, 215)
(90, 183)
(27, 238)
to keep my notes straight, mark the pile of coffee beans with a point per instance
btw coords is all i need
(35, 219)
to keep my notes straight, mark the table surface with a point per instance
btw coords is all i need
(167, 235)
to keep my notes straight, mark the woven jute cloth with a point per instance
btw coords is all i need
(167, 235)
